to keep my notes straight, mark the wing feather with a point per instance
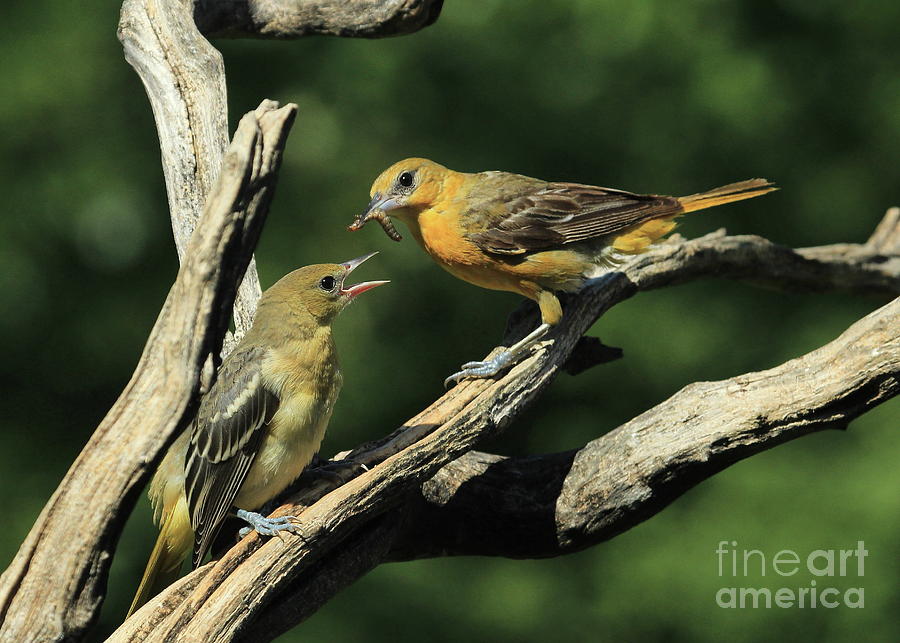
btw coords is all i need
(555, 214)
(225, 439)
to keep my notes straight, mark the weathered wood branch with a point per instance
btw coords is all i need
(286, 19)
(871, 267)
(555, 504)
(549, 505)
(277, 584)
(184, 76)
(53, 588)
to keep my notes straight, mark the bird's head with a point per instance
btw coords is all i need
(320, 289)
(403, 190)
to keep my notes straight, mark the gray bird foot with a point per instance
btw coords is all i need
(504, 360)
(267, 526)
(488, 368)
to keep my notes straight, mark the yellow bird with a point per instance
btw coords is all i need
(259, 425)
(510, 232)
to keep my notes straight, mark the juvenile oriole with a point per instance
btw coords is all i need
(259, 425)
(505, 231)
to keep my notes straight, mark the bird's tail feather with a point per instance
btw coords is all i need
(726, 194)
(164, 566)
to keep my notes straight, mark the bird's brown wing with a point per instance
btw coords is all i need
(555, 214)
(225, 438)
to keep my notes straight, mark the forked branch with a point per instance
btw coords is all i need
(412, 503)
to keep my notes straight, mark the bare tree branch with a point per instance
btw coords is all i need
(285, 19)
(257, 580)
(555, 504)
(184, 76)
(54, 586)
(549, 505)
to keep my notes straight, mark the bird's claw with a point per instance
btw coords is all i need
(487, 368)
(267, 526)
(502, 360)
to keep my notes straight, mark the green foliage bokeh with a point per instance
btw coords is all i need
(649, 96)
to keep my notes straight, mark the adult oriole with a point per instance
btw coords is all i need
(259, 425)
(510, 232)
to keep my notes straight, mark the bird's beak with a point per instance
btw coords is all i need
(359, 289)
(378, 209)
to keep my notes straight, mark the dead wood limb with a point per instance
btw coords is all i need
(608, 486)
(55, 584)
(555, 504)
(284, 19)
(184, 76)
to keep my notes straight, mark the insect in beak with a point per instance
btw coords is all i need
(377, 210)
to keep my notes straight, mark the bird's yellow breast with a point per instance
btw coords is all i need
(440, 235)
(293, 438)
(439, 232)
(307, 389)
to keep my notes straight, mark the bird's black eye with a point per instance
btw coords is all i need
(405, 179)
(327, 283)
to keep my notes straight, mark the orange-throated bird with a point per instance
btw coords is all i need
(259, 425)
(505, 231)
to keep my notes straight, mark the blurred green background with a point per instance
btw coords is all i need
(649, 96)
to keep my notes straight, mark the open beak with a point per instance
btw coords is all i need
(378, 209)
(359, 289)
